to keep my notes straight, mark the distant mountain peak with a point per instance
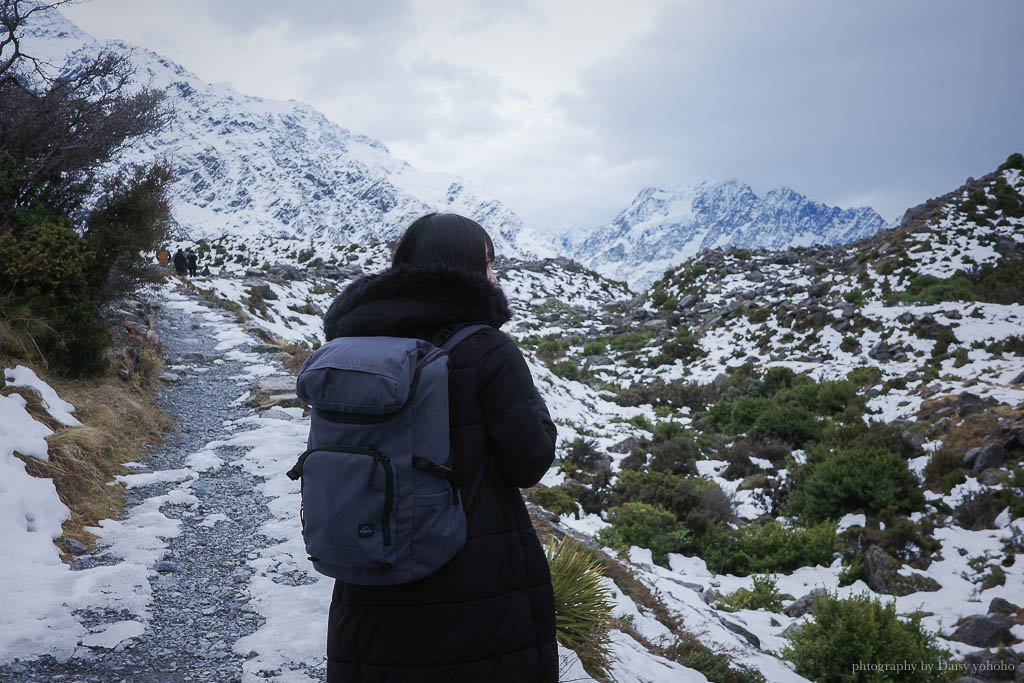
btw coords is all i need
(664, 226)
(249, 166)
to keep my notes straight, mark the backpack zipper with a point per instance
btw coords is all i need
(378, 457)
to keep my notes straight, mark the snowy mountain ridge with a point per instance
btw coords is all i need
(663, 227)
(248, 166)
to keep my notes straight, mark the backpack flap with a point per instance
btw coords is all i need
(359, 375)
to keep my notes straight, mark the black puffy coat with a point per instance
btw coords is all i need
(488, 615)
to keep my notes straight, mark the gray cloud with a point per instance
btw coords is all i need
(887, 102)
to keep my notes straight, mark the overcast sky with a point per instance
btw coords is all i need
(564, 109)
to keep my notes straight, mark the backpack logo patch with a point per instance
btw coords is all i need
(365, 530)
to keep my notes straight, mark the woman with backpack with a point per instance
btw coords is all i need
(488, 614)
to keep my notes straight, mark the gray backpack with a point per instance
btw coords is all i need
(379, 504)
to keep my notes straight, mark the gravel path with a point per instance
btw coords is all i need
(199, 598)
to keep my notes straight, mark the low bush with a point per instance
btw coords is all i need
(979, 509)
(769, 547)
(677, 455)
(567, 369)
(863, 630)
(792, 424)
(553, 498)
(833, 483)
(764, 595)
(646, 526)
(594, 348)
(944, 470)
(683, 346)
(678, 494)
(583, 605)
(630, 341)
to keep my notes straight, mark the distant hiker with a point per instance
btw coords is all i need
(163, 257)
(180, 262)
(193, 262)
(206, 270)
(488, 614)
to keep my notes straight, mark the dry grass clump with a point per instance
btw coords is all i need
(119, 423)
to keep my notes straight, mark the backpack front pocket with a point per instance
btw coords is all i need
(348, 496)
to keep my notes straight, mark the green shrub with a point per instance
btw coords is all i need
(567, 369)
(680, 495)
(776, 379)
(855, 297)
(764, 595)
(1015, 160)
(630, 341)
(583, 605)
(641, 422)
(683, 346)
(646, 526)
(550, 349)
(677, 455)
(792, 424)
(863, 630)
(769, 547)
(833, 483)
(554, 498)
(594, 348)
(668, 429)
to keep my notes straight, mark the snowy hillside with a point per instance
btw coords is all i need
(664, 227)
(249, 166)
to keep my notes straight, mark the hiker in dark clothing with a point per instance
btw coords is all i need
(487, 615)
(193, 262)
(180, 262)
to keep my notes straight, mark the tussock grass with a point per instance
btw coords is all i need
(119, 420)
(583, 605)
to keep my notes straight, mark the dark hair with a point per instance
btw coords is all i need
(445, 238)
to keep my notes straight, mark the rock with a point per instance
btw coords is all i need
(626, 445)
(998, 666)
(993, 477)
(686, 302)
(655, 324)
(968, 404)
(881, 351)
(283, 271)
(264, 348)
(169, 377)
(1002, 607)
(740, 631)
(283, 401)
(989, 455)
(882, 574)
(710, 596)
(277, 413)
(275, 385)
(792, 630)
(166, 566)
(125, 374)
(982, 630)
(755, 276)
(254, 272)
(257, 287)
(76, 547)
(819, 289)
(803, 605)
(1019, 379)
(941, 425)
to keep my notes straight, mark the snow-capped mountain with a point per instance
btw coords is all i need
(664, 227)
(247, 165)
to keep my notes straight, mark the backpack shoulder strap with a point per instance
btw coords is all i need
(453, 335)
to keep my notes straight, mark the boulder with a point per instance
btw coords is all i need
(983, 630)
(740, 631)
(283, 271)
(626, 445)
(257, 287)
(803, 605)
(819, 289)
(1001, 607)
(968, 404)
(686, 302)
(994, 666)
(989, 455)
(792, 630)
(881, 573)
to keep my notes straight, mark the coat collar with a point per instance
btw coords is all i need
(414, 301)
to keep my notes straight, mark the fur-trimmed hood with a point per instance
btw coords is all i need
(414, 301)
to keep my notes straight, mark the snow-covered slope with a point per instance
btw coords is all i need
(664, 227)
(248, 166)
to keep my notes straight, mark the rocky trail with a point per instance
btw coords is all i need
(198, 501)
